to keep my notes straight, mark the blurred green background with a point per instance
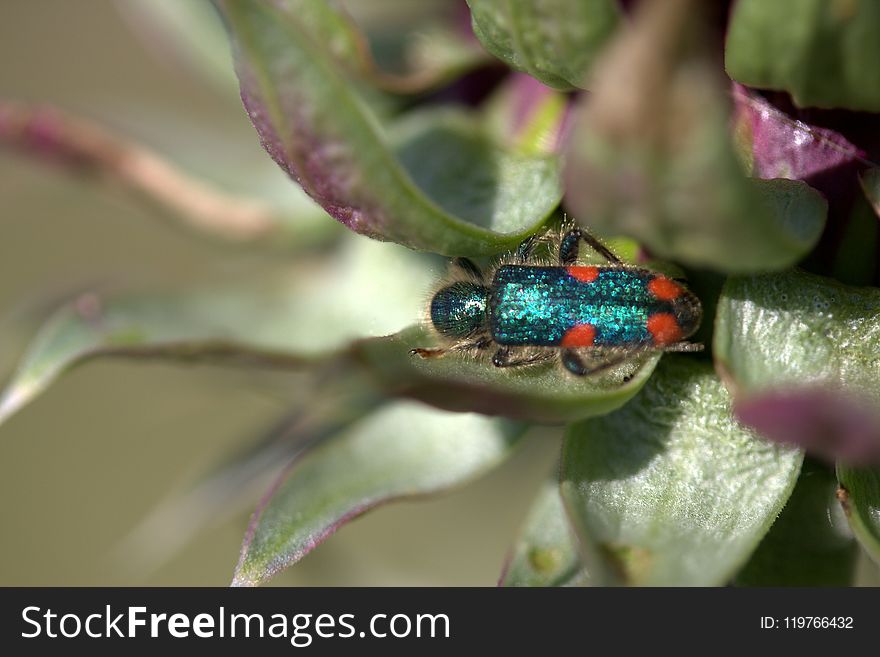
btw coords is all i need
(82, 466)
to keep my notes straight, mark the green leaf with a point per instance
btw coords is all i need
(855, 260)
(797, 329)
(416, 45)
(800, 354)
(318, 129)
(774, 144)
(287, 319)
(555, 41)
(652, 158)
(823, 53)
(546, 552)
(809, 544)
(402, 450)
(859, 496)
(318, 312)
(542, 393)
(670, 490)
(436, 147)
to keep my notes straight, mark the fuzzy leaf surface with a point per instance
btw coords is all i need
(802, 354)
(670, 490)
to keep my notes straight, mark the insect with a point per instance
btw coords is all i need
(589, 317)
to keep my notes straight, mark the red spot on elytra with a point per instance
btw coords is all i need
(664, 328)
(584, 274)
(581, 335)
(664, 289)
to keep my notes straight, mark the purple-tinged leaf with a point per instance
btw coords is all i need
(401, 450)
(825, 148)
(529, 116)
(318, 129)
(825, 422)
(782, 147)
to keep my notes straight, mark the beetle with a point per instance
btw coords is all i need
(589, 317)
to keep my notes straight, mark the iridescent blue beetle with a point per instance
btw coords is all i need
(590, 317)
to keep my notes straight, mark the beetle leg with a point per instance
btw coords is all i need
(468, 266)
(684, 347)
(572, 361)
(483, 342)
(427, 353)
(570, 246)
(505, 357)
(524, 250)
(478, 343)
